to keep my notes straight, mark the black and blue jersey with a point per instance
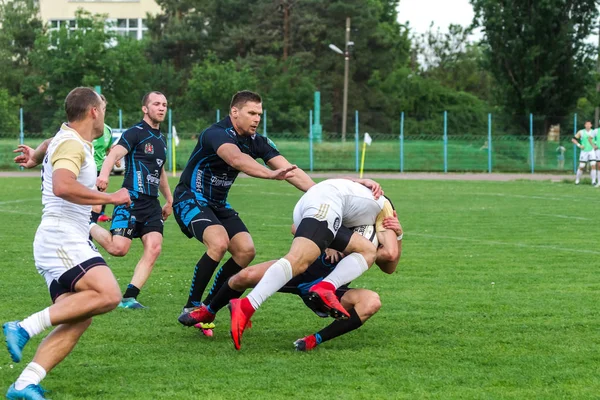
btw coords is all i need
(207, 176)
(147, 151)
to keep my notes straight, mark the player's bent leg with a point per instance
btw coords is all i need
(96, 292)
(216, 241)
(59, 343)
(115, 245)
(152, 243)
(365, 302)
(242, 249)
(250, 276)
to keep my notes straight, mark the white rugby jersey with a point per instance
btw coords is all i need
(70, 151)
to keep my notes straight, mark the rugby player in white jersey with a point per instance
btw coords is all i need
(80, 283)
(322, 217)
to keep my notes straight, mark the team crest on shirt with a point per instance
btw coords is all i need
(148, 148)
(336, 223)
(159, 162)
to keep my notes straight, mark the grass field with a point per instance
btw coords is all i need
(496, 297)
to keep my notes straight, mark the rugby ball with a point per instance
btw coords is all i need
(369, 232)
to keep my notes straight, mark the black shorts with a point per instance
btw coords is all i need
(143, 216)
(66, 282)
(318, 232)
(193, 217)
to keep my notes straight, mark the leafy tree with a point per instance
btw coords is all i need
(537, 52)
(9, 114)
(20, 28)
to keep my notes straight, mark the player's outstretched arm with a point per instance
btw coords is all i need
(575, 140)
(300, 180)
(115, 154)
(29, 157)
(232, 155)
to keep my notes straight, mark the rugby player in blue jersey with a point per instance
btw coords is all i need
(145, 150)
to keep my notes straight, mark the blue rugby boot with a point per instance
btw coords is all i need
(16, 338)
(31, 392)
(130, 302)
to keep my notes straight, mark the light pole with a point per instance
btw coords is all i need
(346, 54)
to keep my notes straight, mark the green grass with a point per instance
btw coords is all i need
(444, 331)
(464, 154)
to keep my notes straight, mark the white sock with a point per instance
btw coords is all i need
(31, 375)
(578, 176)
(350, 268)
(593, 174)
(274, 279)
(37, 323)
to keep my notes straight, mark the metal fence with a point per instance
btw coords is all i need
(437, 145)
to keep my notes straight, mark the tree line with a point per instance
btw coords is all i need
(535, 57)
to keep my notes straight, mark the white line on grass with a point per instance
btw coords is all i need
(497, 243)
(563, 216)
(20, 200)
(523, 196)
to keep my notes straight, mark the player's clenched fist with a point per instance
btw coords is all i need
(102, 183)
(121, 197)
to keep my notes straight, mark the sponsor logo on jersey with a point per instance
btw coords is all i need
(336, 223)
(148, 148)
(159, 162)
(140, 180)
(216, 181)
(199, 181)
(153, 179)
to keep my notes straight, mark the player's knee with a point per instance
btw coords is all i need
(218, 246)
(244, 279)
(581, 166)
(370, 254)
(154, 249)
(372, 303)
(592, 164)
(118, 249)
(245, 254)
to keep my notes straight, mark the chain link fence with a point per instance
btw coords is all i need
(437, 144)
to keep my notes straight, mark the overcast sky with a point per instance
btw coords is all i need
(420, 13)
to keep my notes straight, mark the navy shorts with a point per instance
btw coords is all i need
(143, 216)
(194, 216)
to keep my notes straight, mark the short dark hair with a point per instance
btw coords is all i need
(147, 96)
(79, 101)
(104, 99)
(244, 96)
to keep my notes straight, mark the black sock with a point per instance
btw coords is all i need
(131, 291)
(222, 297)
(202, 273)
(95, 216)
(229, 269)
(338, 328)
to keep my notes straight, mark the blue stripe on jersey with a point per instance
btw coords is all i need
(147, 172)
(128, 145)
(195, 174)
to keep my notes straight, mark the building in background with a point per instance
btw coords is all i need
(126, 17)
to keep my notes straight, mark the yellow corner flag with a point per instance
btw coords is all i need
(367, 142)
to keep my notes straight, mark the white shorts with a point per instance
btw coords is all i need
(597, 152)
(59, 246)
(324, 202)
(587, 156)
(321, 205)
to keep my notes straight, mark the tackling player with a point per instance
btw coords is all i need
(360, 303)
(322, 216)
